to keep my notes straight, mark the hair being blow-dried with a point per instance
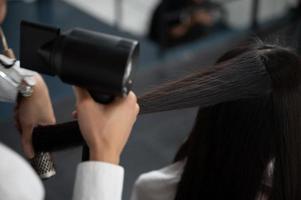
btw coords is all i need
(249, 116)
(241, 77)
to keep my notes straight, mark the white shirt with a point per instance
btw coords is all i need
(18, 179)
(158, 185)
(98, 181)
(94, 180)
(102, 181)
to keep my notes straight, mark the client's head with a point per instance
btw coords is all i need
(249, 117)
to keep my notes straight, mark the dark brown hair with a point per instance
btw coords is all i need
(249, 115)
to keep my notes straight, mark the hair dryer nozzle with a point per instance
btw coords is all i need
(33, 37)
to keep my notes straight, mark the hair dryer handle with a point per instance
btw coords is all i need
(57, 137)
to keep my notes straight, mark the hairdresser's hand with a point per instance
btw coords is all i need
(106, 128)
(3, 8)
(33, 111)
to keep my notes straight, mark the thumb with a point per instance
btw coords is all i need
(26, 141)
(81, 94)
(74, 114)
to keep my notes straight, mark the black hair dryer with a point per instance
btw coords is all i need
(101, 63)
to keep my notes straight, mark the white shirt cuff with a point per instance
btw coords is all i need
(11, 78)
(98, 181)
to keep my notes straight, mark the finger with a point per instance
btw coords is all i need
(128, 102)
(118, 100)
(130, 97)
(81, 94)
(137, 108)
(26, 141)
(48, 120)
(74, 114)
(133, 96)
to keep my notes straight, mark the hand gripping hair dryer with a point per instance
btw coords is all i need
(101, 63)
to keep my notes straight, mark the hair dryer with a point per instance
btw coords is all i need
(101, 63)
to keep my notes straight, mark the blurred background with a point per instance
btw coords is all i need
(176, 36)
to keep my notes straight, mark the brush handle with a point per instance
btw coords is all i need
(57, 137)
(66, 135)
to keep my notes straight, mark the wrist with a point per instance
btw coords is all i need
(40, 88)
(104, 155)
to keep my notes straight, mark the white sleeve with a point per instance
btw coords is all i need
(17, 178)
(11, 76)
(98, 181)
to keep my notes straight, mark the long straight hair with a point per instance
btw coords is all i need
(249, 115)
